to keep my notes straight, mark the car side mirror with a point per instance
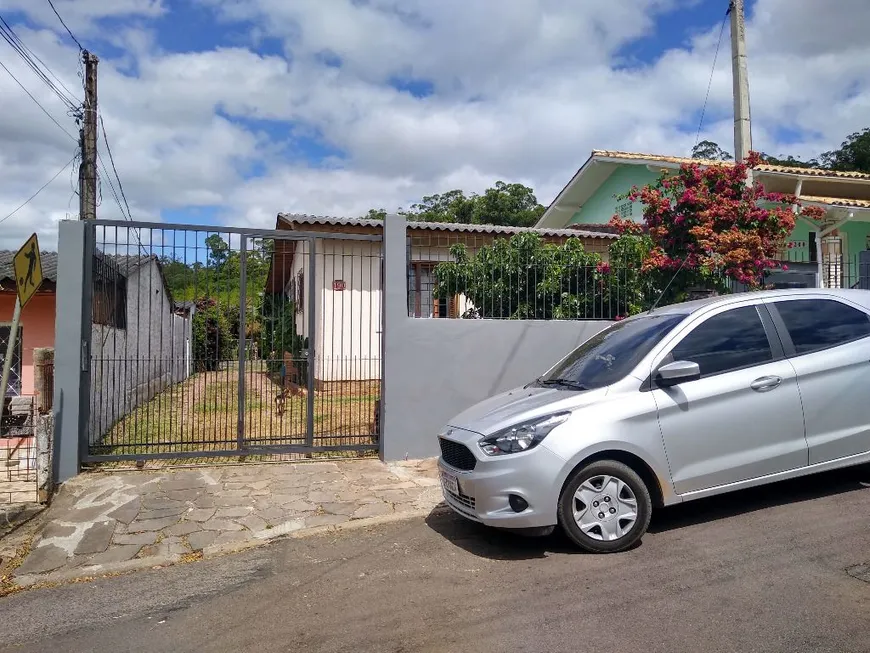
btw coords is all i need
(677, 372)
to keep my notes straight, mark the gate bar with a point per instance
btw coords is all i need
(253, 232)
(312, 326)
(243, 315)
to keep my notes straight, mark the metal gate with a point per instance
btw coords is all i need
(213, 341)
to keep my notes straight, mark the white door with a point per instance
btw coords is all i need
(742, 419)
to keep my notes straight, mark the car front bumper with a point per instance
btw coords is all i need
(484, 492)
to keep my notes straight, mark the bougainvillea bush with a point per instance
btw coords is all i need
(706, 226)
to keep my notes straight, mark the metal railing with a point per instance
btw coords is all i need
(232, 342)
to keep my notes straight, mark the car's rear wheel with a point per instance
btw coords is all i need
(605, 507)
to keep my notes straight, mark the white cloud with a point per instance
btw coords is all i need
(523, 92)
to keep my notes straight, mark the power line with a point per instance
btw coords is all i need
(114, 192)
(712, 71)
(114, 169)
(44, 110)
(27, 201)
(129, 214)
(30, 58)
(72, 36)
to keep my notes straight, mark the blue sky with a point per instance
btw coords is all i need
(229, 111)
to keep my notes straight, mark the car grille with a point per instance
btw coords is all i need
(457, 455)
(468, 502)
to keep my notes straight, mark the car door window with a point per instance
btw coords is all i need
(728, 341)
(816, 324)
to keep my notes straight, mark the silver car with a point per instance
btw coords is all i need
(684, 402)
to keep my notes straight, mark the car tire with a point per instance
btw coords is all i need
(617, 493)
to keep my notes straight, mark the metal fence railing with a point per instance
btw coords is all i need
(464, 275)
(17, 451)
(214, 342)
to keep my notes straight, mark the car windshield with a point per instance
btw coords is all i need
(611, 354)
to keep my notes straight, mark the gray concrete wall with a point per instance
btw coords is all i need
(445, 366)
(434, 369)
(130, 366)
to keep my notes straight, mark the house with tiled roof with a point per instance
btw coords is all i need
(834, 246)
(342, 303)
(121, 331)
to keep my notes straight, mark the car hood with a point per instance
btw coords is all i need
(521, 405)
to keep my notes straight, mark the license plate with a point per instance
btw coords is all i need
(449, 483)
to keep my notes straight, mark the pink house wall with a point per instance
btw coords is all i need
(37, 324)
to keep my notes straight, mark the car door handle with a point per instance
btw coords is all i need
(765, 383)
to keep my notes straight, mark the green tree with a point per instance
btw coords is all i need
(512, 205)
(853, 154)
(213, 340)
(452, 206)
(218, 250)
(789, 161)
(525, 278)
(711, 151)
(375, 214)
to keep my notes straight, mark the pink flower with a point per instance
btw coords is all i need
(785, 268)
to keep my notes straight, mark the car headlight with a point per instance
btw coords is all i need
(521, 437)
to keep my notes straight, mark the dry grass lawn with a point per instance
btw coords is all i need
(201, 414)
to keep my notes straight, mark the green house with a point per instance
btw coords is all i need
(833, 246)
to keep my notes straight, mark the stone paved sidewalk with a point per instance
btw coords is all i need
(113, 522)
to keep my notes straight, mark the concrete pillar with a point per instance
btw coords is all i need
(72, 346)
(43, 420)
(395, 314)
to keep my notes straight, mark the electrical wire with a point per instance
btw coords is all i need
(44, 110)
(114, 169)
(72, 36)
(128, 215)
(712, 72)
(28, 200)
(30, 58)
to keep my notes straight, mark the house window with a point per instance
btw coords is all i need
(624, 210)
(109, 300)
(421, 298)
(300, 291)
(13, 386)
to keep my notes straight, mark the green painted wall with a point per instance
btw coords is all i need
(602, 205)
(801, 234)
(856, 237)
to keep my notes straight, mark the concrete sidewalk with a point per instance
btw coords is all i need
(103, 522)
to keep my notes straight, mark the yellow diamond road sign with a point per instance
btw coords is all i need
(28, 270)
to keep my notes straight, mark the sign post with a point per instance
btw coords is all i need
(27, 267)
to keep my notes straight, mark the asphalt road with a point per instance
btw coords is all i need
(763, 570)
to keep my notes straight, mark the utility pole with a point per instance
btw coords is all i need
(88, 142)
(740, 75)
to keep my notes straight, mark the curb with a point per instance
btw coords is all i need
(259, 539)
(286, 530)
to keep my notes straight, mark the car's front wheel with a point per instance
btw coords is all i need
(605, 507)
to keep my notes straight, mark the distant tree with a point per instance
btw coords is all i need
(375, 214)
(789, 161)
(452, 206)
(710, 150)
(218, 250)
(853, 155)
(513, 205)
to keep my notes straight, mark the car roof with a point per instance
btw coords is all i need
(861, 297)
